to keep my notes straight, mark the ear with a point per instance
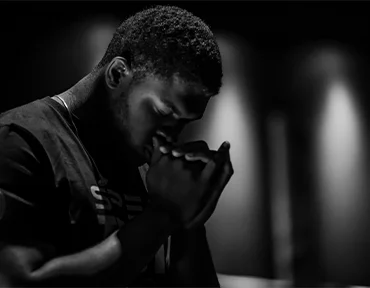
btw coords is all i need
(117, 71)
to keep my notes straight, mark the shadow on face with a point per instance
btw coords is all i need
(155, 104)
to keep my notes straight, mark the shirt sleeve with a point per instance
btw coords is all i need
(20, 170)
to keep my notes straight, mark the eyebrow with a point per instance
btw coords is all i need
(177, 111)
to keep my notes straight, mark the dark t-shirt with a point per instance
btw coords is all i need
(50, 188)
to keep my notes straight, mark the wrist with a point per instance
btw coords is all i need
(191, 234)
(166, 216)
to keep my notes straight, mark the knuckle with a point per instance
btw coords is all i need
(177, 150)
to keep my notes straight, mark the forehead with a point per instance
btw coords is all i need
(189, 100)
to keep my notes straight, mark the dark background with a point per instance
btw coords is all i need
(273, 28)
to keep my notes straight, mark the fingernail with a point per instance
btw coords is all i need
(163, 149)
(176, 153)
(189, 157)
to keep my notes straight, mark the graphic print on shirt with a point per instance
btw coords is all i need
(113, 210)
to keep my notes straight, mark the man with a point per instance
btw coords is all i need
(74, 209)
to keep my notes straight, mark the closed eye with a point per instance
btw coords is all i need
(164, 112)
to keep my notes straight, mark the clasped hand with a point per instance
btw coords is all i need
(188, 180)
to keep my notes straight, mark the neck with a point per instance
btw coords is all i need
(84, 97)
(88, 100)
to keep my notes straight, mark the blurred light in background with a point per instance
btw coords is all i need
(341, 169)
(233, 228)
(98, 37)
(340, 150)
(280, 199)
(94, 35)
(232, 281)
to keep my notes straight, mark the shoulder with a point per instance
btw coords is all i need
(39, 122)
(21, 133)
(21, 155)
(24, 145)
(35, 115)
(15, 142)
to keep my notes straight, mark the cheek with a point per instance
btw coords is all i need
(143, 123)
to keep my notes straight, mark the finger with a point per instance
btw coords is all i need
(177, 152)
(226, 173)
(224, 150)
(190, 147)
(212, 201)
(195, 146)
(221, 181)
(165, 149)
(204, 157)
(198, 145)
(199, 157)
(214, 163)
(164, 146)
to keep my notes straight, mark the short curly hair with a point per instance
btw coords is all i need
(165, 40)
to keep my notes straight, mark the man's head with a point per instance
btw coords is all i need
(161, 67)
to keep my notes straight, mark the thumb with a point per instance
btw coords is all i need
(156, 155)
(215, 163)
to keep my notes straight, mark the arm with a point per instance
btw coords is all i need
(25, 257)
(125, 252)
(190, 259)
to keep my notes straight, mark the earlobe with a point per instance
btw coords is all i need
(115, 72)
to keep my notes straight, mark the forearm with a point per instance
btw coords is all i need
(191, 260)
(126, 252)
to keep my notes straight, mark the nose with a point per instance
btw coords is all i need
(172, 130)
(171, 135)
